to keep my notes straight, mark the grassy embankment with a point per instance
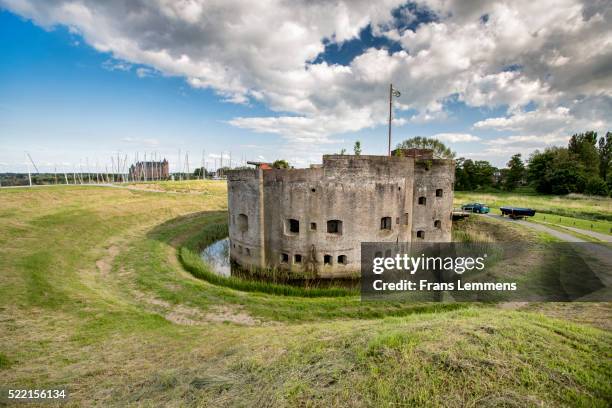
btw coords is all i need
(184, 186)
(93, 296)
(585, 212)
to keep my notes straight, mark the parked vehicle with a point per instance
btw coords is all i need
(476, 208)
(517, 212)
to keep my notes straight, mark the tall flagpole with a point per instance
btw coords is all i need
(390, 114)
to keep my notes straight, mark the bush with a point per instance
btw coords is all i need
(596, 186)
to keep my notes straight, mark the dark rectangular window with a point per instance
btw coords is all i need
(439, 192)
(243, 222)
(313, 226)
(334, 227)
(293, 226)
(297, 258)
(284, 258)
(422, 201)
(342, 259)
(438, 224)
(327, 259)
(421, 234)
(385, 223)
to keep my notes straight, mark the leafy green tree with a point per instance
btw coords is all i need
(540, 167)
(484, 173)
(501, 178)
(582, 148)
(197, 173)
(462, 181)
(567, 174)
(280, 164)
(605, 156)
(357, 148)
(439, 149)
(473, 175)
(516, 172)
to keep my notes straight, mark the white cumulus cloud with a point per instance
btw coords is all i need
(554, 56)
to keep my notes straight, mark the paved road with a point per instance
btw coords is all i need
(598, 256)
(596, 235)
(539, 227)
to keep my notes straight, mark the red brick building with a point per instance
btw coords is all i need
(150, 170)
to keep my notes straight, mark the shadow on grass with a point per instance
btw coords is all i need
(187, 230)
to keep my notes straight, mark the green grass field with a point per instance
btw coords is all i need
(574, 210)
(94, 297)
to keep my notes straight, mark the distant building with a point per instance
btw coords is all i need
(150, 170)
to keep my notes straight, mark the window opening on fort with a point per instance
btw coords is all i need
(327, 260)
(334, 227)
(421, 234)
(293, 226)
(342, 259)
(439, 192)
(385, 223)
(438, 224)
(243, 222)
(422, 200)
(297, 258)
(313, 226)
(284, 258)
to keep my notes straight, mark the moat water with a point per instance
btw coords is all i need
(217, 256)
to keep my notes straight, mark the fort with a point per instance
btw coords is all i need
(312, 221)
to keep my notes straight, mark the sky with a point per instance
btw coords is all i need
(82, 81)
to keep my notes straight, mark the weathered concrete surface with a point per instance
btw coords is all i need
(358, 191)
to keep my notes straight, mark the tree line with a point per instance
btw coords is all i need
(584, 166)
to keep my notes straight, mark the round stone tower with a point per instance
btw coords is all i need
(312, 221)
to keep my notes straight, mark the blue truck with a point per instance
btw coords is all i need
(517, 212)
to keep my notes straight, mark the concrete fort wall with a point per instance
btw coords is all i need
(313, 221)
